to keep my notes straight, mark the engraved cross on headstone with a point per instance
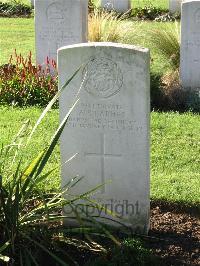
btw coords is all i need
(102, 155)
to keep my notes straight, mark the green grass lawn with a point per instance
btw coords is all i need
(27, 2)
(16, 33)
(164, 4)
(11, 120)
(175, 149)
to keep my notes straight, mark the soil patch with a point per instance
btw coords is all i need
(175, 233)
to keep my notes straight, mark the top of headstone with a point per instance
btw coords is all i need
(189, 1)
(104, 44)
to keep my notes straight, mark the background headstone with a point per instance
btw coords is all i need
(175, 6)
(190, 44)
(117, 5)
(59, 23)
(109, 128)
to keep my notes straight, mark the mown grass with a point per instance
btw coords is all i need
(175, 161)
(27, 2)
(11, 121)
(19, 33)
(16, 33)
(163, 4)
(175, 149)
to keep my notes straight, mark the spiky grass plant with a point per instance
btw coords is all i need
(166, 40)
(105, 26)
(30, 220)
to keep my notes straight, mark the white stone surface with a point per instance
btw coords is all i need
(59, 23)
(117, 5)
(175, 5)
(190, 44)
(109, 128)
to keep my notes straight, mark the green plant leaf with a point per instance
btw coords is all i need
(30, 169)
(51, 103)
(28, 254)
(57, 259)
(2, 248)
(4, 258)
(55, 140)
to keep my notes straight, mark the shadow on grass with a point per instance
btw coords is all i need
(177, 207)
(171, 96)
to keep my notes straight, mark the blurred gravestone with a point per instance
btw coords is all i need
(109, 127)
(117, 5)
(190, 45)
(59, 23)
(175, 6)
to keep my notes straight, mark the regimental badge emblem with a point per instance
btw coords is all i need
(55, 12)
(102, 77)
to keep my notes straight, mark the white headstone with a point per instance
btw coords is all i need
(59, 23)
(175, 6)
(109, 127)
(117, 5)
(190, 44)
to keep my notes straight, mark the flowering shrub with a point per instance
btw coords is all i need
(24, 84)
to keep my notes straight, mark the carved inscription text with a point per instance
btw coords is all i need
(106, 116)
